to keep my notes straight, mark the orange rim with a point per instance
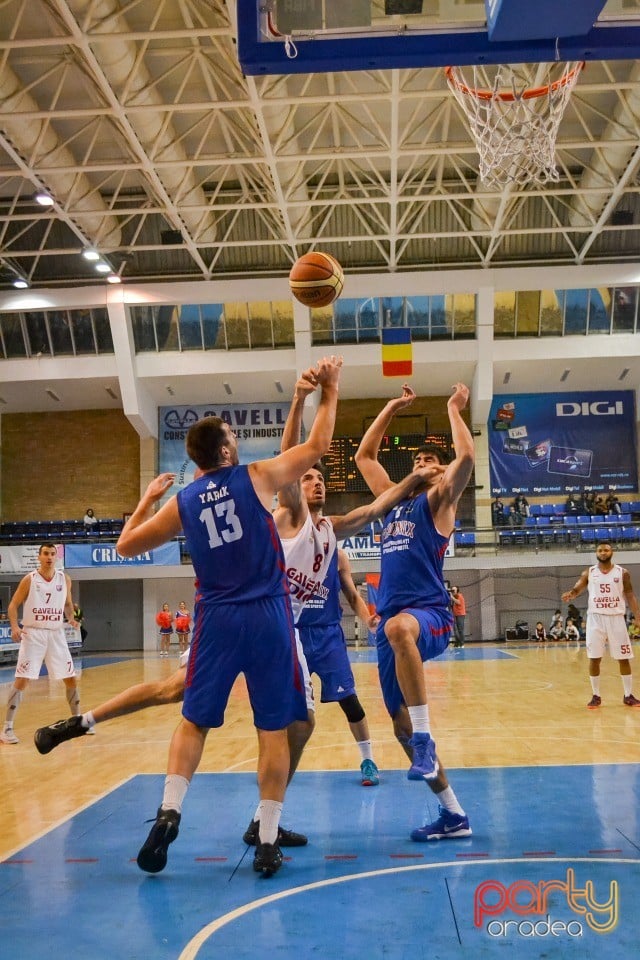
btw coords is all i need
(509, 97)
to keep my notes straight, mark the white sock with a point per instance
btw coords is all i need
(419, 717)
(88, 720)
(364, 746)
(627, 683)
(448, 800)
(595, 685)
(175, 789)
(270, 811)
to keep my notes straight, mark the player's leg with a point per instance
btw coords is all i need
(14, 700)
(138, 697)
(596, 637)
(452, 822)
(404, 643)
(621, 650)
(185, 753)
(273, 772)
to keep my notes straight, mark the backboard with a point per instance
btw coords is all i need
(311, 36)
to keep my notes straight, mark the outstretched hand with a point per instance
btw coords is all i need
(405, 400)
(306, 383)
(459, 398)
(327, 371)
(159, 486)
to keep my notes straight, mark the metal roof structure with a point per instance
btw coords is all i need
(134, 116)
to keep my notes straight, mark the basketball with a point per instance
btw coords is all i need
(316, 279)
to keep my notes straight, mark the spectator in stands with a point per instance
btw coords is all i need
(498, 517)
(574, 613)
(613, 504)
(574, 506)
(555, 620)
(633, 628)
(557, 632)
(520, 510)
(79, 617)
(90, 521)
(590, 503)
(572, 632)
(540, 633)
(599, 507)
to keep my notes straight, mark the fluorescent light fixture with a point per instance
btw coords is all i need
(624, 373)
(279, 386)
(43, 198)
(506, 377)
(90, 254)
(227, 387)
(113, 278)
(112, 393)
(565, 374)
(53, 395)
(20, 283)
(102, 267)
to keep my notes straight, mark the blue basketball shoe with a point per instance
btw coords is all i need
(448, 826)
(369, 774)
(425, 763)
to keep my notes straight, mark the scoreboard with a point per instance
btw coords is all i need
(396, 456)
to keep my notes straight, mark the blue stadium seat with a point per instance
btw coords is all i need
(535, 510)
(547, 510)
(583, 518)
(587, 535)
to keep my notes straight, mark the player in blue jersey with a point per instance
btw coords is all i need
(413, 601)
(244, 620)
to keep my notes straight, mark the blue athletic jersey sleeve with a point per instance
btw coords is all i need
(323, 608)
(232, 539)
(412, 559)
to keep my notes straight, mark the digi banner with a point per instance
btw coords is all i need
(257, 426)
(557, 443)
(95, 555)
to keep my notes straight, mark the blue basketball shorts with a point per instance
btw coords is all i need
(326, 652)
(436, 625)
(255, 638)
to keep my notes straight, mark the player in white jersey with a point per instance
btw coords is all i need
(45, 597)
(610, 591)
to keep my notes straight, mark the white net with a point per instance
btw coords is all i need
(514, 112)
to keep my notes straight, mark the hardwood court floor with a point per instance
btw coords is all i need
(491, 706)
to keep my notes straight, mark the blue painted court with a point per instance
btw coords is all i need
(552, 869)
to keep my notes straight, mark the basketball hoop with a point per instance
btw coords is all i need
(514, 117)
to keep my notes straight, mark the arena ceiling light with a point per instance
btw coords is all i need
(20, 283)
(102, 267)
(114, 278)
(90, 254)
(43, 198)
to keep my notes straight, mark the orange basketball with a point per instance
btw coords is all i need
(316, 279)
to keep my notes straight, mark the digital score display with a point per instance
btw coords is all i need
(396, 456)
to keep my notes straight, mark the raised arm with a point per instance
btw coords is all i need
(580, 585)
(356, 519)
(290, 497)
(145, 529)
(458, 473)
(268, 476)
(375, 475)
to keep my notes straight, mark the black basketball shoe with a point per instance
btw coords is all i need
(46, 738)
(267, 859)
(286, 838)
(153, 852)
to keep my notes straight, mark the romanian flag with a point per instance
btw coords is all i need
(397, 353)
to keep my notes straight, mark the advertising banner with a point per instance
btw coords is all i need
(558, 443)
(106, 555)
(258, 427)
(24, 558)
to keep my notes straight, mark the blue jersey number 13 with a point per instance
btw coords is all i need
(230, 526)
